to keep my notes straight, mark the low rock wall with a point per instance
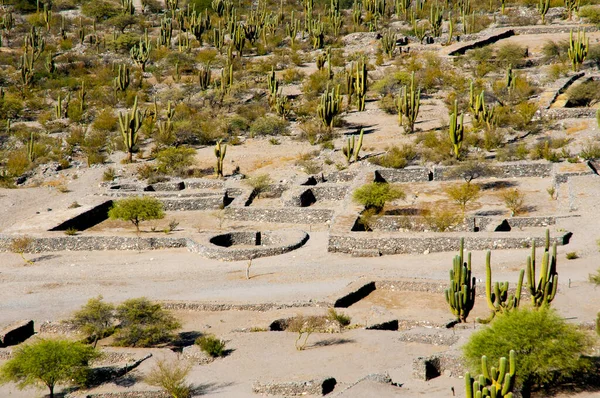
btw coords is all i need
(287, 216)
(483, 42)
(76, 243)
(190, 204)
(320, 386)
(355, 242)
(567, 113)
(502, 170)
(408, 174)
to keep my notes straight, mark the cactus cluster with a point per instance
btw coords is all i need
(456, 130)
(544, 289)
(388, 42)
(497, 297)
(578, 49)
(329, 106)
(461, 293)
(352, 147)
(481, 112)
(493, 382)
(360, 84)
(130, 124)
(408, 104)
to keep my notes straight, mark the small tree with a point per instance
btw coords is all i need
(48, 362)
(514, 201)
(136, 210)
(305, 326)
(143, 323)
(471, 170)
(375, 195)
(95, 318)
(547, 347)
(463, 194)
(170, 376)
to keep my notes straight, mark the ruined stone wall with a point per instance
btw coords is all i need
(60, 243)
(286, 215)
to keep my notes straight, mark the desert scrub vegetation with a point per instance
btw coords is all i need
(137, 210)
(375, 195)
(211, 345)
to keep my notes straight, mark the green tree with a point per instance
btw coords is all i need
(170, 376)
(48, 362)
(375, 195)
(143, 323)
(95, 318)
(547, 347)
(136, 210)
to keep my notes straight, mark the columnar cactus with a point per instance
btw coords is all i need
(578, 49)
(571, 5)
(273, 86)
(498, 299)
(239, 39)
(353, 148)
(544, 290)
(130, 124)
(329, 107)
(282, 106)
(140, 52)
(543, 7)
(388, 42)
(292, 28)
(408, 104)
(360, 84)
(511, 79)
(30, 148)
(220, 151)
(461, 294)
(456, 130)
(204, 75)
(493, 382)
(350, 80)
(436, 17)
(121, 81)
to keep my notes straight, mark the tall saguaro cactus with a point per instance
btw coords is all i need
(408, 104)
(360, 84)
(544, 290)
(130, 124)
(461, 294)
(220, 151)
(498, 299)
(456, 130)
(329, 107)
(578, 49)
(493, 382)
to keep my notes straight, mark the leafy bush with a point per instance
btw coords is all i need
(99, 10)
(259, 183)
(211, 345)
(136, 210)
(95, 319)
(511, 54)
(375, 195)
(548, 348)
(514, 201)
(269, 125)
(174, 161)
(463, 194)
(572, 255)
(590, 13)
(442, 218)
(396, 157)
(143, 324)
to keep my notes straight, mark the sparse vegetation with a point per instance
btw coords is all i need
(514, 201)
(211, 345)
(171, 377)
(304, 326)
(463, 194)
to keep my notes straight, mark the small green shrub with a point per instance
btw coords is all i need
(463, 194)
(174, 161)
(71, 231)
(341, 319)
(137, 209)
(572, 255)
(595, 278)
(211, 345)
(376, 194)
(590, 149)
(442, 218)
(109, 174)
(269, 125)
(259, 183)
(396, 157)
(514, 200)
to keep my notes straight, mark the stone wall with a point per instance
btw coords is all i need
(320, 386)
(567, 113)
(60, 243)
(503, 170)
(286, 215)
(427, 368)
(362, 243)
(266, 243)
(408, 174)
(189, 204)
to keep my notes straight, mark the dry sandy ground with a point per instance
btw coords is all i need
(59, 283)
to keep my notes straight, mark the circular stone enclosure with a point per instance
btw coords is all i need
(246, 245)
